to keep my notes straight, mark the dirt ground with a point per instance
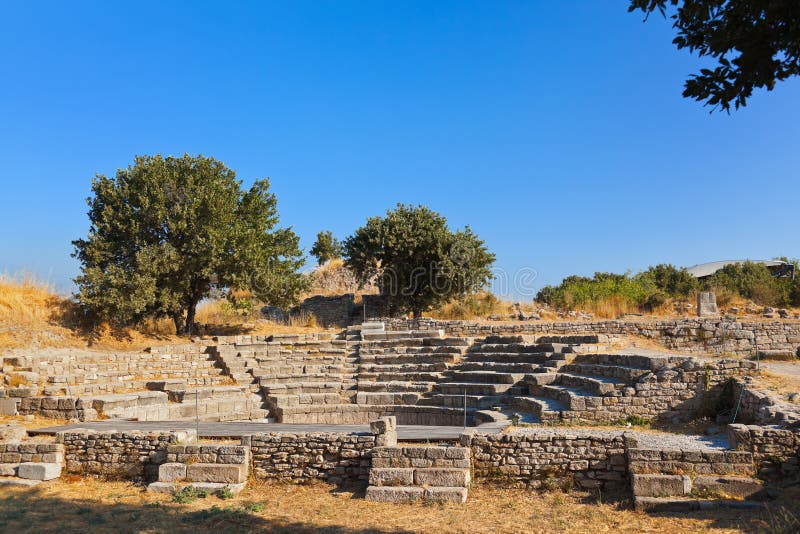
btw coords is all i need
(74, 504)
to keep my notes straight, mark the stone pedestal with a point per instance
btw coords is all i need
(707, 304)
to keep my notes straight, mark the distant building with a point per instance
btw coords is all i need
(777, 268)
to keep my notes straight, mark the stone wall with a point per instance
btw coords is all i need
(776, 451)
(361, 414)
(329, 311)
(689, 462)
(687, 335)
(16, 453)
(334, 458)
(57, 408)
(118, 455)
(543, 457)
(761, 407)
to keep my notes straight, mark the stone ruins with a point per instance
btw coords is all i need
(515, 401)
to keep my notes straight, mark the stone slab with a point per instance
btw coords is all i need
(39, 471)
(439, 494)
(171, 472)
(8, 406)
(217, 473)
(660, 485)
(19, 482)
(439, 476)
(394, 493)
(8, 470)
(391, 476)
(736, 487)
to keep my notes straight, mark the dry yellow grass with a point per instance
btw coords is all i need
(80, 505)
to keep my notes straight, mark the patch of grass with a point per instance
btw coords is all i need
(189, 494)
(225, 493)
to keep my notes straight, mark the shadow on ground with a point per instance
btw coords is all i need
(30, 511)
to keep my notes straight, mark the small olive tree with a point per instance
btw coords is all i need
(417, 260)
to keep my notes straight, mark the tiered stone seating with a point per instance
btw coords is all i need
(491, 373)
(91, 373)
(397, 368)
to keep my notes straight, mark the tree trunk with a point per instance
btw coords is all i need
(191, 311)
(417, 314)
(177, 318)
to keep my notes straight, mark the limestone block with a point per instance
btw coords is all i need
(39, 471)
(171, 472)
(391, 476)
(8, 406)
(218, 473)
(12, 433)
(439, 476)
(8, 470)
(660, 485)
(707, 304)
(737, 487)
(394, 493)
(440, 494)
(387, 439)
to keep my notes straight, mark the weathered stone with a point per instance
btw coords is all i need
(171, 472)
(391, 476)
(217, 473)
(394, 493)
(441, 477)
(39, 471)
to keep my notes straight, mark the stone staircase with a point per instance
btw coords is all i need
(433, 473)
(212, 468)
(672, 480)
(491, 374)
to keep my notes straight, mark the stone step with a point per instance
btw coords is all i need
(523, 348)
(513, 357)
(395, 386)
(409, 358)
(398, 494)
(292, 401)
(477, 388)
(547, 410)
(214, 392)
(426, 476)
(620, 372)
(599, 386)
(704, 486)
(399, 377)
(574, 399)
(478, 402)
(302, 388)
(420, 367)
(682, 504)
(387, 399)
(487, 377)
(497, 367)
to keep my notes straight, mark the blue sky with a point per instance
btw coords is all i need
(556, 130)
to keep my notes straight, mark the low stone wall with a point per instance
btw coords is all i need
(329, 311)
(334, 458)
(590, 459)
(362, 414)
(761, 407)
(687, 335)
(58, 408)
(776, 451)
(118, 455)
(16, 453)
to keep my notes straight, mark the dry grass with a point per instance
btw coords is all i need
(79, 505)
(333, 278)
(783, 384)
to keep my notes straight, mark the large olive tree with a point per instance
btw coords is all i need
(165, 231)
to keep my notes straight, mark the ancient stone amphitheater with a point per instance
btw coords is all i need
(418, 413)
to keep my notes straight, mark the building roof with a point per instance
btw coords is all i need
(707, 269)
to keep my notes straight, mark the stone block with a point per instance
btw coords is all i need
(707, 304)
(445, 494)
(439, 476)
(383, 425)
(736, 487)
(394, 493)
(171, 472)
(8, 470)
(8, 406)
(661, 485)
(218, 473)
(396, 476)
(39, 471)
(387, 439)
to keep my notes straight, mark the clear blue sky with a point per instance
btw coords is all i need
(556, 130)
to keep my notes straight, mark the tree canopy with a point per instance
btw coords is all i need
(326, 247)
(417, 260)
(165, 231)
(755, 43)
